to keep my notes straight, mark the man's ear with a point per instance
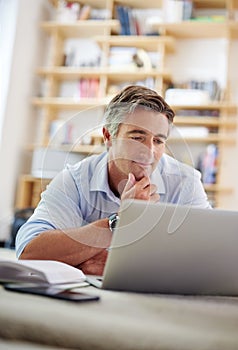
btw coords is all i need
(107, 137)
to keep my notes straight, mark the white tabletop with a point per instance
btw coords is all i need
(121, 321)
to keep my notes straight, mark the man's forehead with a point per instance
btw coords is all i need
(135, 130)
(150, 121)
(144, 114)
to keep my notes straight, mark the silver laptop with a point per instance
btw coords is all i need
(166, 248)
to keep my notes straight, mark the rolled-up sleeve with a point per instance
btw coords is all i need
(58, 209)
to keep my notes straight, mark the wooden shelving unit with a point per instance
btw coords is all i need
(29, 191)
(199, 30)
(106, 33)
(224, 124)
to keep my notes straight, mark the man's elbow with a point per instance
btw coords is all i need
(25, 255)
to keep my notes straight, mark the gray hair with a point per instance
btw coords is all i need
(130, 98)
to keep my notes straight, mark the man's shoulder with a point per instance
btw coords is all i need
(90, 162)
(172, 166)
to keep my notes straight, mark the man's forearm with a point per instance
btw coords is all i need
(72, 246)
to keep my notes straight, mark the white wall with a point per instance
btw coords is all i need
(230, 168)
(18, 120)
(8, 16)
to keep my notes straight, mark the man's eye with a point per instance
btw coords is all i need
(137, 138)
(159, 141)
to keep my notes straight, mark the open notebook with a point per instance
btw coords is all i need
(39, 272)
(167, 248)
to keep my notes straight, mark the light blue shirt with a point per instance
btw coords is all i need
(80, 194)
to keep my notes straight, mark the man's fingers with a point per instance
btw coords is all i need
(152, 189)
(144, 182)
(154, 198)
(142, 189)
(130, 182)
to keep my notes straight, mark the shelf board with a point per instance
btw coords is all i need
(82, 149)
(211, 106)
(88, 149)
(204, 121)
(150, 43)
(71, 72)
(69, 103)
(54, 2)
(211, 138)
(111, 73)
(63, 102)
(217, 188)
(142, 4)
(198, 29)
(234, 3)
(82, 28)
(210, 3)
(31, 178)
(152, 4)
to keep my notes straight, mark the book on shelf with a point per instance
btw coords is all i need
(72, 11)
(83, 88)
(39, 271)
(82, 53)
(198, 113)
(202, 91)
(134, 21)
(122, 15)
(88, 88)
(208, 164)
(85, 12)
(88, 12)
(211, 86)
(180, 132)
(184, 10)
(115, 88)
(210, 14)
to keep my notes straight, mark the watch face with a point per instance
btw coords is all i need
(113, 221)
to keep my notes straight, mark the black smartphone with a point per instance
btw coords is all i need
(50, 291)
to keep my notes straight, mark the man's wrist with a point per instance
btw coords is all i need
(112, 221)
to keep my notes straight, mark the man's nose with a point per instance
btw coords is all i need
(149, 143)
(146, 149)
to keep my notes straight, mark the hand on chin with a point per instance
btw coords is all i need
(141, 172)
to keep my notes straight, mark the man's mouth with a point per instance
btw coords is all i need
(143, 165)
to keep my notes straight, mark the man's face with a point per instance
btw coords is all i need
(139, 144)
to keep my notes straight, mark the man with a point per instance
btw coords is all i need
(73, 222)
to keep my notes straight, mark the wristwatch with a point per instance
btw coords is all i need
(112, 221)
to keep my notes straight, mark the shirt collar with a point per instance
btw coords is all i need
(157, 179)
(99, 181)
